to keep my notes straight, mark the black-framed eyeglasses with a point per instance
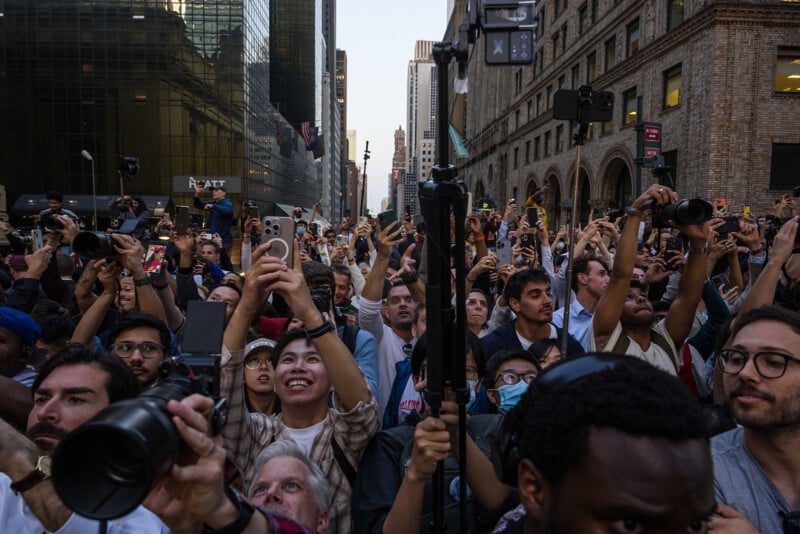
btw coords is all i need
(791, 522)
(256, 363)
(768, 364)
(510, 377)
(147, 349)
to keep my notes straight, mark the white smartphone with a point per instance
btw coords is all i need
(37, 241)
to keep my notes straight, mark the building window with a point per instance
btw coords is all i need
(538, 104)
(591, 67)
(674, 13)
(556, 10)
(540, 59)
(547, 136)
(556, 50)
(562, 80)
(540, 24)
(611, 53)
(536, 147)
(583, 18)
(530, 110)
(516, 120)
(549, 96)
(629, 106)
(785, 162)
(563, 38)
(594, 10)
(516, 157)
(787, 71)
(576, 69)
(518, 81)
(527, 152)
(632, 44)
(672, 86)
(559, 138)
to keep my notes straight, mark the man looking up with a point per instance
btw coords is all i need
(221, 210)
(395, 306)
(308, 364)
(528, 295)
(589, 280)
(142, 342)
(609, 444)
(756, 464)
(72, 387)
(623, 320)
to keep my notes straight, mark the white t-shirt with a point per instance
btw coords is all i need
(526, 344)
(16, 517)
(304, 437)
(410, 401)
(654, 355)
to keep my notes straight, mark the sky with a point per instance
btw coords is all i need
(379, 38)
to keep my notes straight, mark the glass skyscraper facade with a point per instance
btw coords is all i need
(181, 84)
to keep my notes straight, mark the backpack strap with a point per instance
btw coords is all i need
(344, 464)
(622, 344)
(666, 346)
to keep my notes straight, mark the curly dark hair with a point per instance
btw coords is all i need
(634, 398)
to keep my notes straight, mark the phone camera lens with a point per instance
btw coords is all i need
(276, 227)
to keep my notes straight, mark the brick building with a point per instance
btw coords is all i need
(723, 78)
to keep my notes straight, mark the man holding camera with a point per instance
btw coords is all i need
(221, 213)
(55, 201)
(72, 387)
(623, 319)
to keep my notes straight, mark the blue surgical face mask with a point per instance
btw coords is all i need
(472, 394)
(301, 230)
(510, 395)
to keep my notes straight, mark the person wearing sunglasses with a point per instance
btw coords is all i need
(142, 341)
(755, 463)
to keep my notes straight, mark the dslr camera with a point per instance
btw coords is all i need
(106, 467)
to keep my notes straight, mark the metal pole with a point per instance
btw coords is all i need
(364, 180)
(638, 163)
(86, 155)
(572, 220)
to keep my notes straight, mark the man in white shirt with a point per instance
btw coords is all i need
(72, 387)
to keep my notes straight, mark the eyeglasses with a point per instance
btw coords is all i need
(147, 349)
(768, 364)
(256, 363)
(510, 377)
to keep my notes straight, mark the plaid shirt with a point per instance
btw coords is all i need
(246, 434)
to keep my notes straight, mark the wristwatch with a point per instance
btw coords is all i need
(39, 474)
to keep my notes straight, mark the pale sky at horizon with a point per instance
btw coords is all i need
(379, 38)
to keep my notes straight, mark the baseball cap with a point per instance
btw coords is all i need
(259, 343)
(18, 263)
(20, 324)
(219, 187)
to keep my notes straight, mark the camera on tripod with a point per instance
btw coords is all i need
(106, 467)
(129, 166)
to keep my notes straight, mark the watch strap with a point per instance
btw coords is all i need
(39, 474)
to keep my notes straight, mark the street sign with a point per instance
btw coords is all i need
(648, 143)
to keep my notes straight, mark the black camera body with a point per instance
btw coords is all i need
(106, 467)
(124, 450)
(50, 222)
(129, 166)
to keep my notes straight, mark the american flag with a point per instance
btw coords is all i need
(305, 129)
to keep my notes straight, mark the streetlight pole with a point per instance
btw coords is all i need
(364, 180)
(86, 155)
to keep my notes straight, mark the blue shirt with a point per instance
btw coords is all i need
(221, 217)
(741, 483)
(580, 322)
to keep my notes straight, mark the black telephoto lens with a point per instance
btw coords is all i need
(93, 245)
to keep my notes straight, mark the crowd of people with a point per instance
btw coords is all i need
(672, 405)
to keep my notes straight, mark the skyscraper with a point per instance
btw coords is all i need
(421, 119)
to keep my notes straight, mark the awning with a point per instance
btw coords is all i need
(83, 204)
(288, 208)
(458, 143)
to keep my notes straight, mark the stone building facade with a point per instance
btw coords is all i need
(713, 74)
